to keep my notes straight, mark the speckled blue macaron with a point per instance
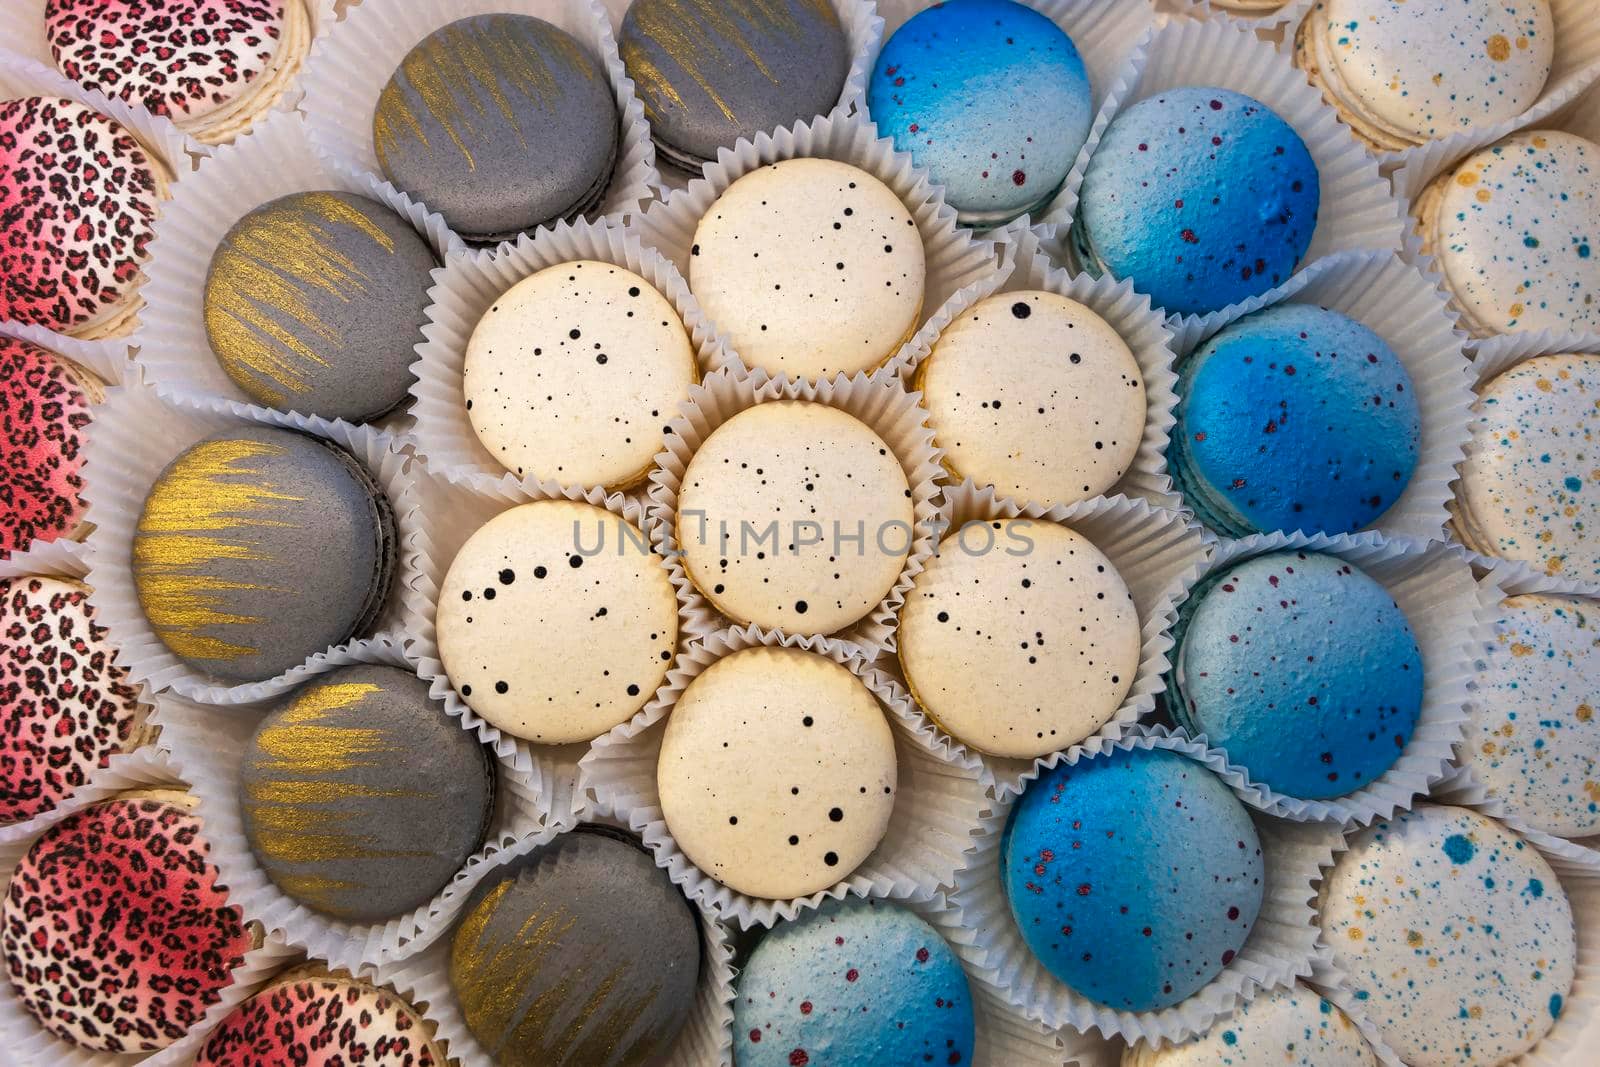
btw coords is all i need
(853, 985)
(1302, 668)
(1134, 877)
(1203, 197)
(1294, 418)
(990, 96)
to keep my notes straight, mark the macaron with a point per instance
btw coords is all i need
(1294, 418)
(810, 268)
(1511, 229)
(556, 621)
(857, 985)
(66, 702)
(777, 772)
(117, 937)
(68, 269)
(573, 373)
(1292, 1026)
(258, 548)
(521, 131)
(360, 797)
(212, 66)
(1020, 637)
(314, 302)
(794, 514)
(1250, 8)
(1202, 197)
(45, 406)
(1403, 74)
(1302, 668)
(1532, 740)
(1134, 876)
(1036, 395)
(314, 1018)
(1455, 935)
(1527, 489)
(581, 953)
(991, 97)
(713, 72)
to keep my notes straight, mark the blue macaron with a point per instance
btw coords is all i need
(1294, 418)
(853, 985)
(1203, 197)
(1135, 877)
(990, 96)
(1302, 668)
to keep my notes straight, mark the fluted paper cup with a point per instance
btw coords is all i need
(1263, 15)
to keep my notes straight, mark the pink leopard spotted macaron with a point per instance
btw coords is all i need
(45, 410)
(212, 66)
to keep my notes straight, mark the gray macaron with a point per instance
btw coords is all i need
(500, 123)
(360, 797)
(259, 547)
(314, 301)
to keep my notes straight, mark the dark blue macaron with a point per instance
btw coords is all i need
(1203, 197)
(1294, 418)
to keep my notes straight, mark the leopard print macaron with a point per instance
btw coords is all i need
(44, 410)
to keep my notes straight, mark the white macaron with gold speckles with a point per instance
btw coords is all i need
(1290, 1027)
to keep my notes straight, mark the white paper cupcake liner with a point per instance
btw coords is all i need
(1357, 209)
(954, 258)
(1266, 18)
(134, 437)
(347, 71)
(1435, 589)
(706, 1038)
(274, 161)
(937, 801)
(27, 1044)
(1280, 948)
(464, 290)
(1158, 554)
(450, 514)
(208, 743)
(1397, 302)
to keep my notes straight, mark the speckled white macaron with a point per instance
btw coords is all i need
(777, 772)
(1289, 1027)
(1402, 72)
(1036, 395)
(556, 622)
(1457, 938)
(1529, 488)
(1513, 231)
(794, 514)
(1534, 741)
(573, 373)
(810, 268)
(1020, 637)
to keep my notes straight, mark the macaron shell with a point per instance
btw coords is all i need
(803, 474)
(1528, 489)
(313, 303)
(116, 936)
(64, 266)
(1515, 236)
(573, 372)
(1036, 395)
(360, 798)
(1456, 936)
(991, 96)
(1533, 741)
(710, 72)
(1293, 1027)
(45, 409)
(66, 705)
(777, 772)
(556, 622)
(810, 268)
(1134, 877)
(1203, 197)
(855, 985)
(1020, 637)
(1295, 418)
